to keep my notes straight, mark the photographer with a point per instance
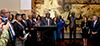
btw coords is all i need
(4, 35)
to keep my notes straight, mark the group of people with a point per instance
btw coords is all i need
(88, 28)
(24, 32)
(92, 29)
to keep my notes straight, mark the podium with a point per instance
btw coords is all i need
(46, 34)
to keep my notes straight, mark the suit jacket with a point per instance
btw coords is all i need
(30, 25)
(44, 22)
(85, 26)
(25, 26)
(96, 28)
(62, 23)
(18, 30)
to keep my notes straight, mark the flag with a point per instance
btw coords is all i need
(11, 31)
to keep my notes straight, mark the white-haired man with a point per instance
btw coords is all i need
(95, 30)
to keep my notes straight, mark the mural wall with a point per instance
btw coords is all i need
(63, 7)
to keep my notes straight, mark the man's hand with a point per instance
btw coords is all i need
(61, 28)
(6, 27)
(26, 29)
(30, 35)
(32, 28)
(1, 27)
(94, 32)
(48, 25)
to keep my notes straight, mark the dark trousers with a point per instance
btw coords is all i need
(73, 30)
(96, 40)
(27, 42)
(62, 34)
(33, 38)
(12, 43)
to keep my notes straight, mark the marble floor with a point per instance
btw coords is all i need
(67, 33)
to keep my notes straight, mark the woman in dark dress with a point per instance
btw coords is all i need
(19, 31)
(85, 30)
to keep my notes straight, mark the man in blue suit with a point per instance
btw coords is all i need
(62, 27)
(95, 30)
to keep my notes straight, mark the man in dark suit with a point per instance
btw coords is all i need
(25, 24)
(47, 21)
(95, 30)
(31, 26)
(34, 17)
(72, 24)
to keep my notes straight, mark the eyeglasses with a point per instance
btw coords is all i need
(6, 12)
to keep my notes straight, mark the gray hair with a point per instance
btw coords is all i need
(1, 10)
(95, 16)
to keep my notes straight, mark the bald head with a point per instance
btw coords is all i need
(34, 15)
(60, 17)
(5, 12)
(2, 10)
(47, 15)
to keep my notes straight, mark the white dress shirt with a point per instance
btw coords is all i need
(25, 22)
(94, 23)
(30, 20)
(34, 19)
(48, 21)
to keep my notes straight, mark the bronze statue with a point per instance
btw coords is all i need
(72, 25)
